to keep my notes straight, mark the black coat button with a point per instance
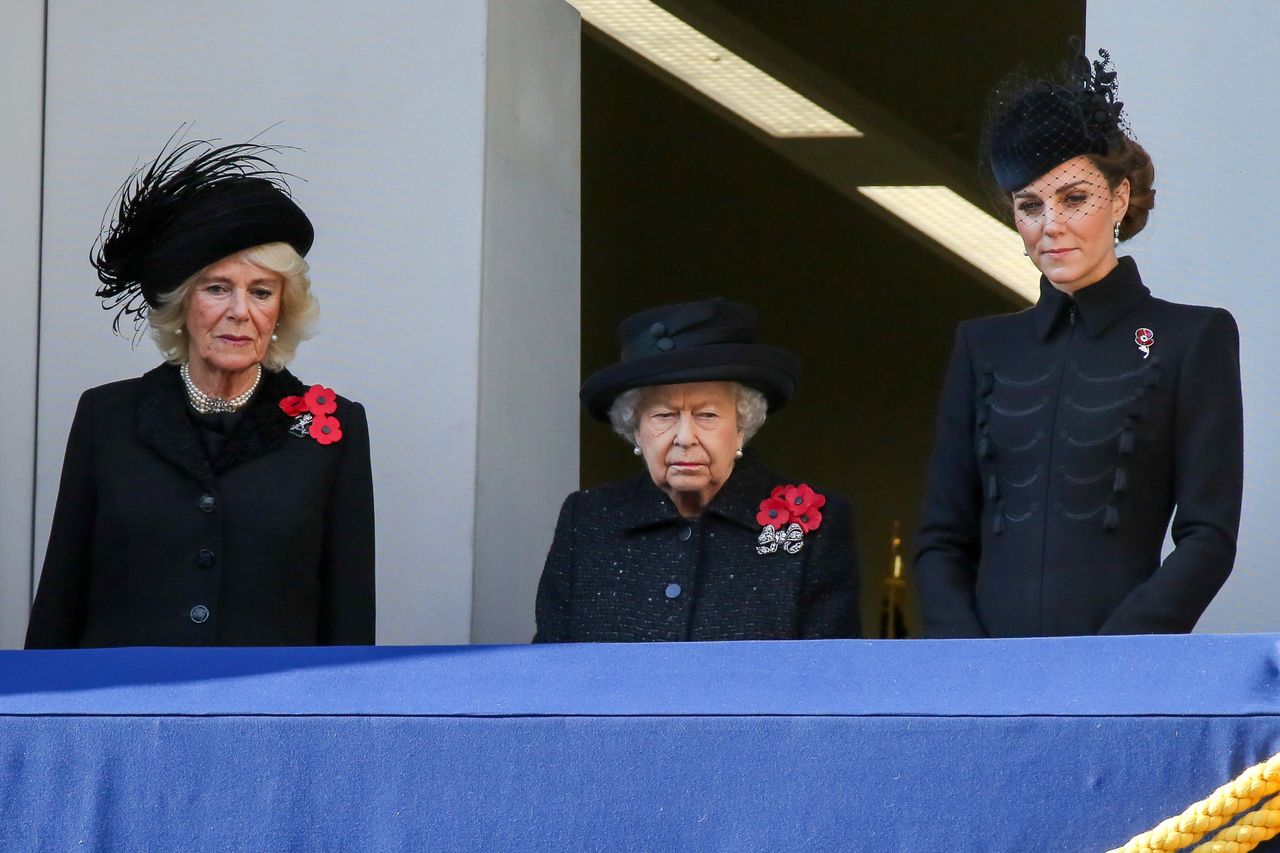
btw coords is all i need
(199, 614)
(685, 533)
(207, 503)
(205, 558)
(673, 590)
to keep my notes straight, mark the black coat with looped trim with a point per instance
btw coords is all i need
(1067, 437)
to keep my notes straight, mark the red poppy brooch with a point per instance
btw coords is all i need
(787, 515)
(313, 414)
(1145, 339)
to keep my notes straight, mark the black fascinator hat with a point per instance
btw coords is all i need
(709, 341)
(195, 204)
(1034, 125)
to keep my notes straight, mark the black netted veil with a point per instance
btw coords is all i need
(195, 204)
(1034, 125)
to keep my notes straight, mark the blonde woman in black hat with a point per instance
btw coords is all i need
(1071, 433)
(706, 543)
(216, 500)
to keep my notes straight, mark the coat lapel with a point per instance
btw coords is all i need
(265, 424)
(649, 506)
(739, 499)
(163, 424)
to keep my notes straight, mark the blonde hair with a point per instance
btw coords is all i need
(298, 307)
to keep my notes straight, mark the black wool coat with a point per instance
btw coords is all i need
(153, 543)
(625, 566)
(1063, 449)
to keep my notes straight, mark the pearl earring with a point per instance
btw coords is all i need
(1025, 253)
(636, 450)
(738, 455)
(1117, 234)
(178, 332)
(274, 337)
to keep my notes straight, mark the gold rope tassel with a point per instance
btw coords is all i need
(1220, 808)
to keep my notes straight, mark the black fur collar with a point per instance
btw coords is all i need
(165, 426)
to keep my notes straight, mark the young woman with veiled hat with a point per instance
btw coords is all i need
(216, 500)
(707, 543)
(1069, 434)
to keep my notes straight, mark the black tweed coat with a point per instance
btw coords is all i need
(1063, 449)
(625, 566)
(153, 543)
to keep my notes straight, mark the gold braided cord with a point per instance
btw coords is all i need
(1219, 808)
(1248, 832)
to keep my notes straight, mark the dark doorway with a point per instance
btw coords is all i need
(680, 204)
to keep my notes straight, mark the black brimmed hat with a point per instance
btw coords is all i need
(192, 206)
(1034, 125)
(708, 341)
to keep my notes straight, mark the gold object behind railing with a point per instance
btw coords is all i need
(893, 623)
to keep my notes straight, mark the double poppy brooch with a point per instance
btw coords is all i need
(313, 414)
(786, 516)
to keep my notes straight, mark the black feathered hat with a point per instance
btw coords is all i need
(1034, 125)
(707, 341)
(192, 206)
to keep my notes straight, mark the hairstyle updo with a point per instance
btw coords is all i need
(1130, 160)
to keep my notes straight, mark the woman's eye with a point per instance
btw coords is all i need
(1029, 207)
(707, 417)
(263, 293)
(1077, 198)
(215, 289)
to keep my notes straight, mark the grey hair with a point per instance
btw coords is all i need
(298, 307)
(753, 408)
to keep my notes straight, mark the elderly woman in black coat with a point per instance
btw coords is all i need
(707, 544)
(216, 500)
(1070, 433)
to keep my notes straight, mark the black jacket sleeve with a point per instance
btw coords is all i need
(829, 601)
(1208, 478)
(554, 607)
(58, 614)
(347, 560)
(948, 543)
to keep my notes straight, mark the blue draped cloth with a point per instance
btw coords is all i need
(988, 745)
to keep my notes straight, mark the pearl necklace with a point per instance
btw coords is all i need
(206, 403)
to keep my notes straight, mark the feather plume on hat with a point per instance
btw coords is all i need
(195, 204)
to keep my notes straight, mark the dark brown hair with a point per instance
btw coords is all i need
(1130, 160)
